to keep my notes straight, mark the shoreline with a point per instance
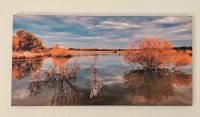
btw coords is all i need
(36, 55)
(21, 59)
(71, 53)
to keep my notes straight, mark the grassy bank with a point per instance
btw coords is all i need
(34, 55)
(28, 55)
(69, 53)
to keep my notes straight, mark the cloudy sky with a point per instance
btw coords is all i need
(104, 31)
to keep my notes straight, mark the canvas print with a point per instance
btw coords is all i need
(60, 60)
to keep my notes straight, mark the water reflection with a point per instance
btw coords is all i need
(61, 81)
(154, 87)
(59, 65)
(60, 78)
(23, 68)
(65, 91)
(59, 62)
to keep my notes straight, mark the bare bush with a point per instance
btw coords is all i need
(59, 52)
(96, 82)
(153, 53)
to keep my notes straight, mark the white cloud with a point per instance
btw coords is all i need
(82, 21)
(181, 31)
(185, 27)
(116, 25)
(172, 20)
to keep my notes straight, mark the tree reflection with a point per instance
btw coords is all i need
(181, 79)
(23, 68)
(60, 78)
(59, 65)
(59, 62)
(154, 86)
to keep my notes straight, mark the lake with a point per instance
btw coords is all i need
(117, 84)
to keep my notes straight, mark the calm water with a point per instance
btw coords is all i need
(117, 84)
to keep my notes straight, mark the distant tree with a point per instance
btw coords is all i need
(70, 48)
(153, 53)
(25, 41)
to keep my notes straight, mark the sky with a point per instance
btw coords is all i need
(104, 31)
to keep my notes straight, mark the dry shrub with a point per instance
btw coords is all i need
(153, 53)
(181, 58)
(96, 81)
(27, 55)
(59, 52)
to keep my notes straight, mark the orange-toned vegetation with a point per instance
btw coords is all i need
(27, 46)
(15, 42)
(59, 62)
(21, 69)
(25, 41)
(59, 52)
(57, 71)
(153, 53)
(181, 58)
(27, 55)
